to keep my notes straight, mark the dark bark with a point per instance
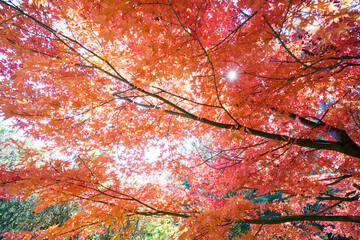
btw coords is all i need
(296, 218)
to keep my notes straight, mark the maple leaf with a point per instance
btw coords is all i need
(341, 29)
(103, 85)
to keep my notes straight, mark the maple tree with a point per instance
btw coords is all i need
(267, 89)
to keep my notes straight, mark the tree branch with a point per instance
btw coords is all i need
(296, 218)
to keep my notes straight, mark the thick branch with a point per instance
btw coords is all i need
(343, 139)
(317, 144)
(296, 218)
(343, 199)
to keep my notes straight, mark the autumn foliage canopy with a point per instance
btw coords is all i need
(218, 114)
